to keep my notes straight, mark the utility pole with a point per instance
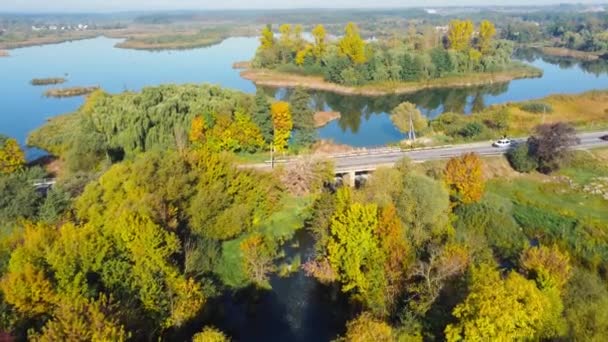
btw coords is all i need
(272, 155)
(412, 132)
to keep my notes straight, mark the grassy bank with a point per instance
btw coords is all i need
(586, 112)
(47, 81)
(564, 52)
(70, 92)
(277, 79)
(174, 41)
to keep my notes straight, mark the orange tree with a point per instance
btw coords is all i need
(464, 178)
(282, 122)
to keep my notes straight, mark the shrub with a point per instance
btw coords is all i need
(472, 129)
(536, 107)
(521, 160)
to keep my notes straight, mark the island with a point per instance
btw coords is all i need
(423, 59)
(70, 92)
(47, 81)
(4, 53)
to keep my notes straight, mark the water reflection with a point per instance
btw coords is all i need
(365, 120)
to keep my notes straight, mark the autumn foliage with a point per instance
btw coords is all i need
(11, 155)
(282, 122)
(464, 177)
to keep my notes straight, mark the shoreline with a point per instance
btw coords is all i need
(276, 79)
(4, 53)
(70, 92)
(565, 52)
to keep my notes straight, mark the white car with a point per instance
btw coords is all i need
(504, 142)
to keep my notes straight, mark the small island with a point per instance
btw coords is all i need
(70, 92)
(429, 57)
(174, 41)
(47, 81)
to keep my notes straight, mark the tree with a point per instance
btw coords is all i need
(267, 38)
(282, 124)
(286, 39)
(210, 334)
(464, 177)
(11, 155)
(520, 158)
(550, 144)
(261, 115)
(351, 45)
(407, 116)
(397, 251)
(353, 250)
(548, 266)
(487, 31)
(459, 34)
(197, 130)
(81, 319)
(498, 309)
(320, 47)
(366, 328)
(586, 301)
(258, 258)
(302, 116)
(432, 274)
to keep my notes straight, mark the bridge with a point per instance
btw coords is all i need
(354, 165)
(44, 184)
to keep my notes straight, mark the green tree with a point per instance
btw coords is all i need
(352, 45)
(302, 116)
(405, 112)
(261, 115)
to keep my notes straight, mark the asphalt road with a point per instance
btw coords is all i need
(371, 159)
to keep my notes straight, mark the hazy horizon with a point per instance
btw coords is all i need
(177, 5)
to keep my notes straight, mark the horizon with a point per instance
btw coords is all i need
(114, 6)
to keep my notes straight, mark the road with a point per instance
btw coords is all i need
(371, 159)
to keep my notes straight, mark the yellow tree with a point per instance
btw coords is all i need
(286, 38)
(301, 55)
(282, 123)
(366, 328)
(320, 46)
(267, 38)
(460, 34)
(497, 309)
(487, 31)
(210, 334)
(352, 45)
(197, 129)
(548, 266)
(464, 177)
(11, 155)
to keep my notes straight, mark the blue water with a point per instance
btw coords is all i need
(364, 120)
(97, 62)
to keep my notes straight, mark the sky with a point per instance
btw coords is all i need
(139, 5)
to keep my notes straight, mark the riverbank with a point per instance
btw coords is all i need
(47, 81)
(564, 52)
(276, 79)
(171, 42)
(323, 118)
(70, 92)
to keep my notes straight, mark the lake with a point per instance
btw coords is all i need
(298, 308)
(364, 121)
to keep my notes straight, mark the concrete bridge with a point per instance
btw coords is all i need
(352, 167)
